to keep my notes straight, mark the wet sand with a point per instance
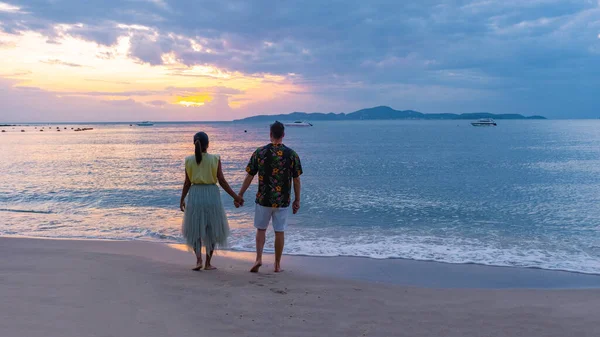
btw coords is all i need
(106, 288)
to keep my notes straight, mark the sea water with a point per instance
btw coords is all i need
(524, 193)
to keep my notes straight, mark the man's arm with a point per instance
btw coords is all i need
(297, 189)
(297, 172)
(246, 184)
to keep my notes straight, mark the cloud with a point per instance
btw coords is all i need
(106, 81)
(213, 90)
(438, 55)
(120, 102)
(110, 93)
(216, 91)
(158, 103)
(8, 8)
(59, 62)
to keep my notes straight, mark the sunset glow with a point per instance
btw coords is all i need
(194, 101)
(69, 67)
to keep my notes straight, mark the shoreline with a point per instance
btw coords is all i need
(393, 271)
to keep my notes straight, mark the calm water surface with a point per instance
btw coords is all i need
(525, 193)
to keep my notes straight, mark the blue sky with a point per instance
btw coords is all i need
(213, 60)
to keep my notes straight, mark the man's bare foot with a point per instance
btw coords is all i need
(209, 267)
(256, 266)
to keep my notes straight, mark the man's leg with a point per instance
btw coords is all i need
(280, 216)
(261, 235)
(262, 216)
(279, 243)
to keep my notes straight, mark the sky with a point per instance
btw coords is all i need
(196, 60)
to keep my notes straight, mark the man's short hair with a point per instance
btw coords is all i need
(277, 130)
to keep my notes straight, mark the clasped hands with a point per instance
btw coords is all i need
(238, 201)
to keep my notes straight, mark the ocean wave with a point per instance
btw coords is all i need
(427, 248)
(454, 251)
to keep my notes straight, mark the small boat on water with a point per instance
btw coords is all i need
(484, 122)
(298, 123)
(145, 123)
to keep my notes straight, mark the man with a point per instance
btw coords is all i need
(277, 166)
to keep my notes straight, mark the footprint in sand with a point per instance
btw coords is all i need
(268, 280)
(257, 284)
(278, 291)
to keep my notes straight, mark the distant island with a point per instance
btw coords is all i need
(381, 113)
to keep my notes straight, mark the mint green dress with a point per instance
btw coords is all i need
(204, 219)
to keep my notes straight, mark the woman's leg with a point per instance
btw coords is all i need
(198, 251)
(208, 266)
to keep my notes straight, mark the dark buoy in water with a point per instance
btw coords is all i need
(22, 130)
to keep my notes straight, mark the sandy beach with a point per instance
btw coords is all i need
(110, 288)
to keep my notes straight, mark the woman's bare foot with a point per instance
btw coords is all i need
(198, 264)
(209, 267)
(278, 268)
(256, 266)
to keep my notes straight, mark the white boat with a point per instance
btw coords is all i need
(484, 122)
(298, 123)
(145, 123)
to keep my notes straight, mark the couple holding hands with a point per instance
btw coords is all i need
(204, 220)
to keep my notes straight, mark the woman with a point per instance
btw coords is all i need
(204, 220)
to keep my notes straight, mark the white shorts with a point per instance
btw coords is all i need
(263, 215)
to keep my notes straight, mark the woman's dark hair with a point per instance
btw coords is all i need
(200, 145)
(277, 130)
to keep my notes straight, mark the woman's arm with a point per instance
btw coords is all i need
(226, 187)
(184, 192)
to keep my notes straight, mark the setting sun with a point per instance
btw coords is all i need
(194, 101)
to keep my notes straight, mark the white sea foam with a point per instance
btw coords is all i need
(426, 248)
